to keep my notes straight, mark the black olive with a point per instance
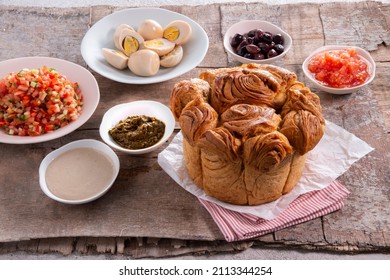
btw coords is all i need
(279, 48)
(272, 53)
(236, 40)
(277, 38)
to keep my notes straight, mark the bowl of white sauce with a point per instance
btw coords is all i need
(79, 172)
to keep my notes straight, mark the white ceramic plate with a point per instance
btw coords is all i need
(75, 73)
(142, 107)
(85, 143)
(340, 91)
(101, 34)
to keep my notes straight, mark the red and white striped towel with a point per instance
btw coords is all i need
(237, 226)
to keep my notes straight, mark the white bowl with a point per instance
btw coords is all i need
(86, 143)
(361, 52)
(247, 25)
(137, 108)
(75, 73)
(101, 34)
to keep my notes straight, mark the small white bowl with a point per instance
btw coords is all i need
(245, 26)
(137, 108)
(361, 52)
(86, 143)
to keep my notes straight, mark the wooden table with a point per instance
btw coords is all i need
(146, 213)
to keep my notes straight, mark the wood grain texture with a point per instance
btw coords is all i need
(50, 32)
(146, 213)
(359, 24)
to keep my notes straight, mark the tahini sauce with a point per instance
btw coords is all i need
(79, 173)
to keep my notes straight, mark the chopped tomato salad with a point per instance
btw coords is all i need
(339, 68)
(38, 101)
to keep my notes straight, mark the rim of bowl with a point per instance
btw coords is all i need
(367, 58)
(106, 123)
(227, 38)
(84, 143)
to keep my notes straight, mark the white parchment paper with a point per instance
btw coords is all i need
(334, 154)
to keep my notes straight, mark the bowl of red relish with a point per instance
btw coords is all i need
(339, 69)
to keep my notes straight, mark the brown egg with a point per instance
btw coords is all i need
(117, 33)
(178, 32)
(150, 29)
(115, 58)
(172, 58)
(130, 41)
(160, 45)
(144, 63)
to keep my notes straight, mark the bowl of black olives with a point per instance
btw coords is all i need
(256, 41)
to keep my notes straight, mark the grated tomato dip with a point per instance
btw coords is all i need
(37, 101)
(339, 68)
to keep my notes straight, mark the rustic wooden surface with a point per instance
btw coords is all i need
(146, 213)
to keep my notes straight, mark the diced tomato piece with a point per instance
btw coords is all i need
(3, 87)
(339, 68)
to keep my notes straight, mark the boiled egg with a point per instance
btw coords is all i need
(130, 41)
(178, 32)
(115, 58)
(160, 45)
(172, 58)
(150, 29)
(144, 62)
(117, 33)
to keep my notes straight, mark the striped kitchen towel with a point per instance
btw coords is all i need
(237, 226)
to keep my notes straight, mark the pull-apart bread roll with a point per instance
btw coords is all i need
(196, 118)
(246, 131)
(186, 91)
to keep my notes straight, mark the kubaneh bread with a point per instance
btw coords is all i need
(246, 131)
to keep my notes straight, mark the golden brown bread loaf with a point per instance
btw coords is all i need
(246, 131)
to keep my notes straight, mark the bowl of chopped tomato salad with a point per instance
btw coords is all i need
(339, 69)
(44, 98)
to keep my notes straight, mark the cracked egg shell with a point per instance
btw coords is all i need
(150, 29)
(117, 33)
(115, 58)
(130, 41)
(144, 63)
(178, 32)
(160, 45)
(172, 58)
